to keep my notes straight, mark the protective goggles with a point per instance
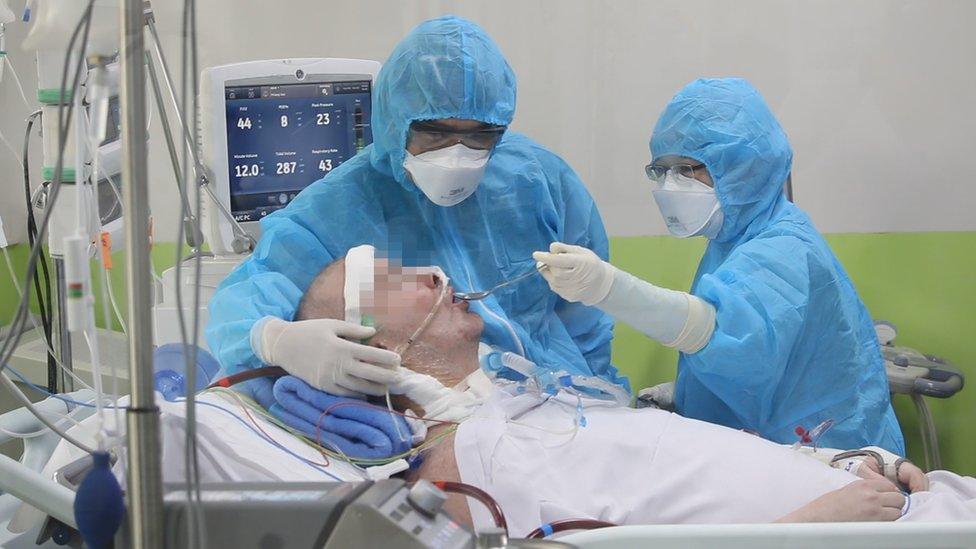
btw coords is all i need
(429, 136)
(657, 172)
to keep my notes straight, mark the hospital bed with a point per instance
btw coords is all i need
(766, 536)
(331, 514)
(23, 481)
(346, 511)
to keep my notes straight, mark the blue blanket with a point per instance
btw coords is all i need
(360, 431)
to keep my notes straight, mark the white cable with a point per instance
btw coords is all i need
(98, 220)
(6, 59)
(156, 277)
(159, 279)
(108, 297)
(149, 111)
(106, 287)
(99, 97)
(20, 87)
(92, 342)
(111, 184)
(11, 149)
(15, 390)
(47, 346)
(115, 308)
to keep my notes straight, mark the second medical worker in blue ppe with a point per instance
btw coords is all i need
(444, 183)
(773, 335)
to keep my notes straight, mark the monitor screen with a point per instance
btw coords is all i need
(281, 138)
(109, 195)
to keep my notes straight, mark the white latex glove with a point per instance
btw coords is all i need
(321, 352)
(576, 273)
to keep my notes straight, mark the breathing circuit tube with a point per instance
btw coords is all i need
(551, 528)
(477, 493)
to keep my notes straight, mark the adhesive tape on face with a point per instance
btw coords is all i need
(360, 262)
(436, 271)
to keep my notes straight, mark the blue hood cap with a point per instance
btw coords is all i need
(725, 124)
(445, 68)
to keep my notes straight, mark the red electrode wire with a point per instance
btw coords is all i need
(477, 493)
(254, 373)
(551, 528)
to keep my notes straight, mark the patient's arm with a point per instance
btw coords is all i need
(440, 464)
(862, 500)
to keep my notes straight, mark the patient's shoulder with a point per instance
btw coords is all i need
(440, 465)
(438, 461)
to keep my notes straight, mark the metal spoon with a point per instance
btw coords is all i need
(477, 296)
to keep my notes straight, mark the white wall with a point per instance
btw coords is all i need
(13, 112)
(876, 96)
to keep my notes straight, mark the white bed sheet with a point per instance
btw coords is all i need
(650, 467)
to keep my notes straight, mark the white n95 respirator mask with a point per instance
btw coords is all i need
(689, 207)
(449, 175)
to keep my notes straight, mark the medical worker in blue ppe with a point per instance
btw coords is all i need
(773, 335)
(444, 183)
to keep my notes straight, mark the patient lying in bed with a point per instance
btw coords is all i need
(626, 466)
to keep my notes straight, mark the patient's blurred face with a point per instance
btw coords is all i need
(404, 296)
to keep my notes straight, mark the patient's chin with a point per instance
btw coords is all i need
(472, 327)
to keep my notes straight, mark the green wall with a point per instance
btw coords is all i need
(923, 282)
(163, 255)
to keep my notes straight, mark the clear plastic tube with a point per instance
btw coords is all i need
(47, 346)
(13, 72)
(519, 363)
(551, 382)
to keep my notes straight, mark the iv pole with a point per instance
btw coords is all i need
(144, 482)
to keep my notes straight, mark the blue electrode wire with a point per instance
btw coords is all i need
(270, 440)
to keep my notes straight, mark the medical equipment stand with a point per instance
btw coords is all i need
(144, 497)
(64, 337)
(194, 237)
(918, 376)
(191, 228)
(212, 269)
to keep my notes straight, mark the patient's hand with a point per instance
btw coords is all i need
(862, 500)
(909, 474)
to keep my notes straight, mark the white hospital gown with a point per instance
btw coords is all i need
(646, 466)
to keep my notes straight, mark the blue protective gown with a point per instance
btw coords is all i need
(793, 343)
(528, 198)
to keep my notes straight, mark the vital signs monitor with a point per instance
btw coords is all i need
(271, 128)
